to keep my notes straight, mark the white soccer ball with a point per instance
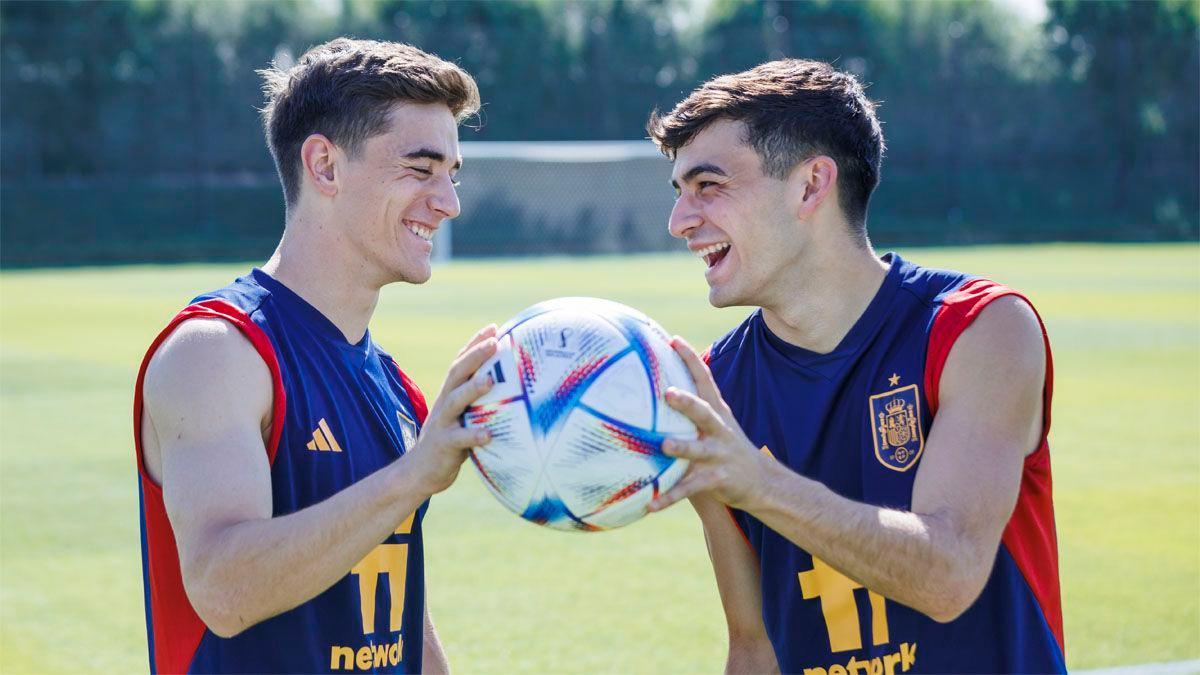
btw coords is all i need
(577, 414)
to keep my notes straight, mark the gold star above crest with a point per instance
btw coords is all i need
(894, 379)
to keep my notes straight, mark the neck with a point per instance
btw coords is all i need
(315, 263)
(832, 287)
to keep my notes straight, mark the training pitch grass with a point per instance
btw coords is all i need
(507, 596)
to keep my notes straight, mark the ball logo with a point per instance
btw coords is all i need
(563, 337)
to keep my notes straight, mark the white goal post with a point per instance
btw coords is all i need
(559, 198)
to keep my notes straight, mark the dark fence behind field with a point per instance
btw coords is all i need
(128, 131)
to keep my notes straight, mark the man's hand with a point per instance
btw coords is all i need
(442, 445)
(723, 462)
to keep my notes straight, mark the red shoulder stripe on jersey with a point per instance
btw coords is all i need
(1030, 535)
(176, 627)
(420, 407)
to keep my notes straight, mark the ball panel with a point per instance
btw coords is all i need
(558, 355)
(598, 462)
(674, 373)
(624, 512)
(649, 361)
(622, 392)
(510, 464)
(663, 367)
(551, 511)
(633, 505)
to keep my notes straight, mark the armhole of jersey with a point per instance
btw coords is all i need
(216, 309)
(173, 628)
(958, 311)
(1030, 535)
(420, 407)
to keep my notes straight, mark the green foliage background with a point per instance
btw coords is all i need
(130, 130)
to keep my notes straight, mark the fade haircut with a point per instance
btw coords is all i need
(345, 89)
(793, 110)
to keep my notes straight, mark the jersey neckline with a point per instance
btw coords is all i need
(860, 333)
(311, 316)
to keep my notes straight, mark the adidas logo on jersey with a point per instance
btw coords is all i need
(323, 440)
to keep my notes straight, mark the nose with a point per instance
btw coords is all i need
(444, 199)
(685, 217)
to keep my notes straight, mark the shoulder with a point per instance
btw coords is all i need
(726, 346)
(1007, 328)
(997, 378)
(393, 369)
(1003, 347)
(202, 338)
(415, 396)
(929, 285)
(385, 358)
(246, 294)
(978, 325)
(202, 358)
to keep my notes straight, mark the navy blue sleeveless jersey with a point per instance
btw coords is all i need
(856, 419)
(341, 411)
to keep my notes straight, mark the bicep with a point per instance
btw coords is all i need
(208, 391)
(989, 419)
(735, 566)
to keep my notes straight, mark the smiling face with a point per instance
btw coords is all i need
(735, 218)
(398, 190)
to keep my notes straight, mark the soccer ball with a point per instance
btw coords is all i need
(577, 414)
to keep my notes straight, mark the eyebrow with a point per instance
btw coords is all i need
(696, 171)
(426, 153)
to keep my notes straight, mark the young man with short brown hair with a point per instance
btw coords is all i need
(286, 462)
(877, 430)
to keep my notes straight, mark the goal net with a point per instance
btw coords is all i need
(564, 198)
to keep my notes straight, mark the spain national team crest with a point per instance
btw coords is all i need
(896, 422)
(408, 430)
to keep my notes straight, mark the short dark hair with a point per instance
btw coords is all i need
(793, 109)
(345, 89)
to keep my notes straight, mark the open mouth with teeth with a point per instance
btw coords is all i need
(712, 255)
(419, 230)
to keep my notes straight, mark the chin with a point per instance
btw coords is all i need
(412, 275)
(419, 277)
(719, 297)
(729, 295)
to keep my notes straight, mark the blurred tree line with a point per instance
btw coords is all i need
(1079, 122)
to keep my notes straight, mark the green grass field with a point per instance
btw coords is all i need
(507, 596)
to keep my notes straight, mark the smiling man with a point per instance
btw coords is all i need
(285, 461)
(873, 472)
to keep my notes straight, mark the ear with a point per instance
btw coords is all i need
(812, 182)
(320, 159)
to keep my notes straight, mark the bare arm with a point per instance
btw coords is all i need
(207, 392)
(940, 553)
(433, 657)
(738, 583)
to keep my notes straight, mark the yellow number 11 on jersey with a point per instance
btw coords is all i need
(836, 593)
(390, 559)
